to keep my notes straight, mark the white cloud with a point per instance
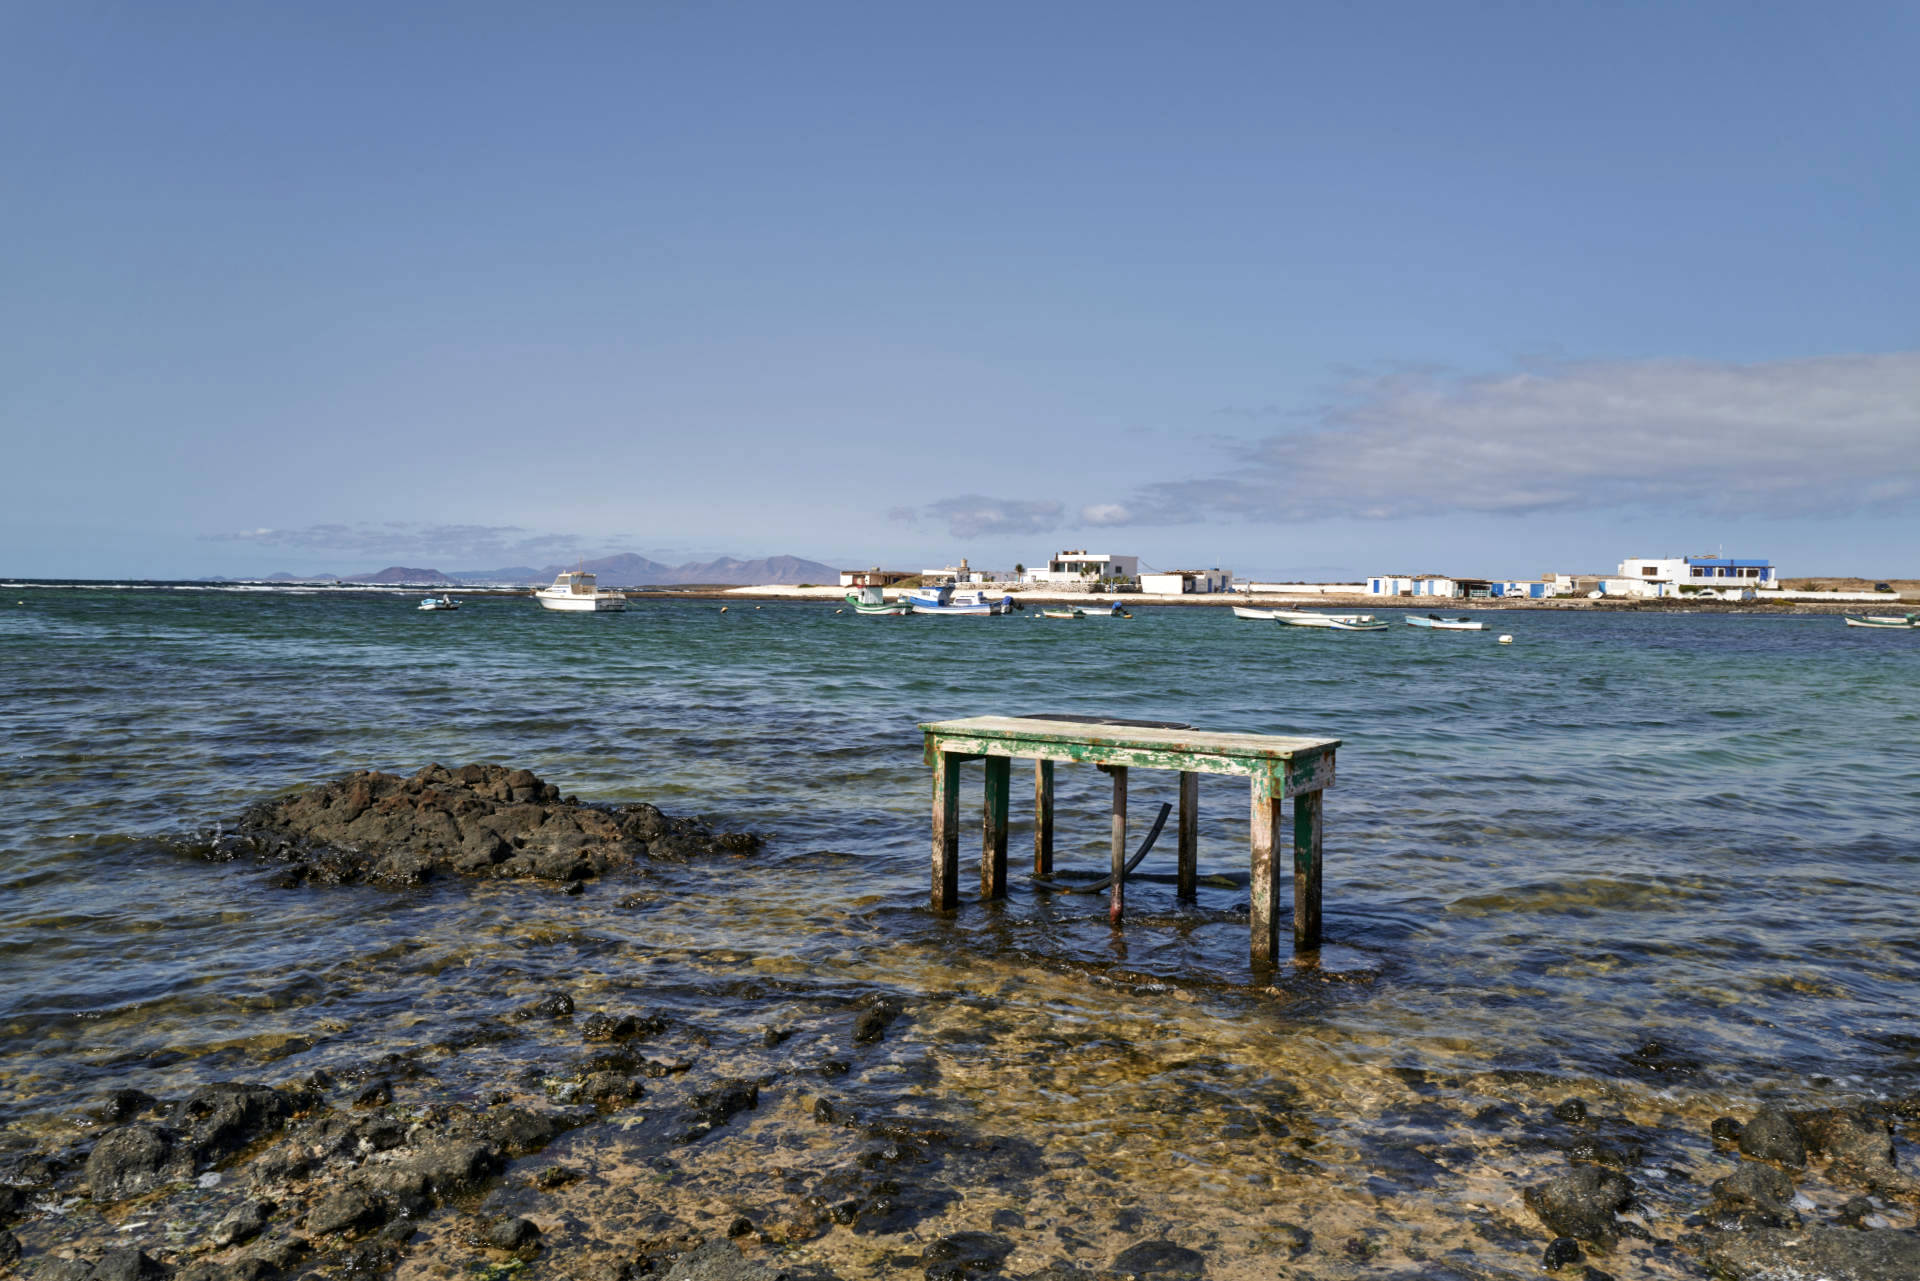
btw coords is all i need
(1829, 434)
(977, 516)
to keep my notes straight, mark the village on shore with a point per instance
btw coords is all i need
(1078, 574)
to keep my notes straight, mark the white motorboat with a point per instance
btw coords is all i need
(1883, 621)
(1436, 623)
(577, 590)
(944, 600)
(439, 602)
(1255, 615)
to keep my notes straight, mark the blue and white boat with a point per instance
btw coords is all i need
(439, 602)
(944, 600)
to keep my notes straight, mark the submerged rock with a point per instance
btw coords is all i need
(718, 1261)
(1160, 1261)
(1581, 1203)
(477, 820)
(131, 1160)
(1833, 1254)
(1754, 1196)
(1771, 1136)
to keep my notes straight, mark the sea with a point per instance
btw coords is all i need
(1666, 863)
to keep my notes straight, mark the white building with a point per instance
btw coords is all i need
(1187, 582)
(960, 574)
(1086, 567)
(1670, 574)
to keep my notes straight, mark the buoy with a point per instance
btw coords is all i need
(723, 609)
(1506, 640)
(756, 607)
(839, 611)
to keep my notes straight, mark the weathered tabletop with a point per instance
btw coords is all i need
(1279, 766)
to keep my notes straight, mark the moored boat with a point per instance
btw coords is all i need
(1073, 612)
(1884, 621)
(1255, 615)
(577, 590)
(1435, 622)
(439, 603)
(944, 600)
(871, 600)
(1338, 622)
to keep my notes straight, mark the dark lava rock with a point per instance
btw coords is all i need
(872, 1023)
(553, 1005)
(965, 1256)
(1853, 1214)
(348, 1211)
(1858, 1144)
(376, 1095)
(1725, 1129)
(478, 820)
(440, 1168)
(246, 1222)
(1160, 1261)
(13, 1203)
(1561, 1252)
(718, 1261)
(121, 1106)
(1770, 1136)
(513, 1234)
(128, 1263)
(1582, 1203)
(624, 1027)
(1833, 1254)
(1298, 1240)
(129, 1161)
(9, 1248)
(1754, 1196)
(1570, 1110)
(714, 1108)
(218, 1120)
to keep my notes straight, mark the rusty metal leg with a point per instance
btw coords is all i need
(1117, 902)
(946, 832)
(1307, 826)
(1263, 915)
(1189, 834)
(993, 842)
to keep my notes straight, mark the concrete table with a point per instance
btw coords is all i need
(1279, 767)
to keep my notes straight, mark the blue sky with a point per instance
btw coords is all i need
(1314, 290)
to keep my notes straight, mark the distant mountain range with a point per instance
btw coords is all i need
(624, 570)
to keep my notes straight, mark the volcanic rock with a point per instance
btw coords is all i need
(1771, 1136)
(128, 1161)
(1581, 1203)
(478, 820)
(1834, 1254)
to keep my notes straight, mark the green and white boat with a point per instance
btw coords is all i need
(871, 600)
(1907, 622)
(1073, 611)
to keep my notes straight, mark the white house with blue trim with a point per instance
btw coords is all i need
(1647, 576)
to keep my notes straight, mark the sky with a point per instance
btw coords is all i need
(1297, 290)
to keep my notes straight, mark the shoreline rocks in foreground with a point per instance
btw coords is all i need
(480, 820)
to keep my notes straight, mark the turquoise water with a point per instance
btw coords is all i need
(1671, 858)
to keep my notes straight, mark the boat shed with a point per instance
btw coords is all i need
(1187, 582)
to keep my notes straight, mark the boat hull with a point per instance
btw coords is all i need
(607, 604)
(1447, 624)
(1885, 624)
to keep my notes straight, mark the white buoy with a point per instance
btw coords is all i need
(1506, 640)
(723, 609)
(839, 611)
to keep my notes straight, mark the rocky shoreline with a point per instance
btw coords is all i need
(582, 1132)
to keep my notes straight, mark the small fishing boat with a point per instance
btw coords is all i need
(1436, 623)
(577, 590)
(1254, 615)
(1074, 612)
(871, 600)
(1883, 621)
(439, 602)
(1114, 611)
(944, 600)
(1337, 622)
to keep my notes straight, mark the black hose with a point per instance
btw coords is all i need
(1153, 834)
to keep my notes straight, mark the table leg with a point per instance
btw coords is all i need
(993, 842)
(1264, 891)
(1307, 826)
(946, 832)
(1043, 818)
(1189, 834)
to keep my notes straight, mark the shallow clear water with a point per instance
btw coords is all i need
(1669, 859)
